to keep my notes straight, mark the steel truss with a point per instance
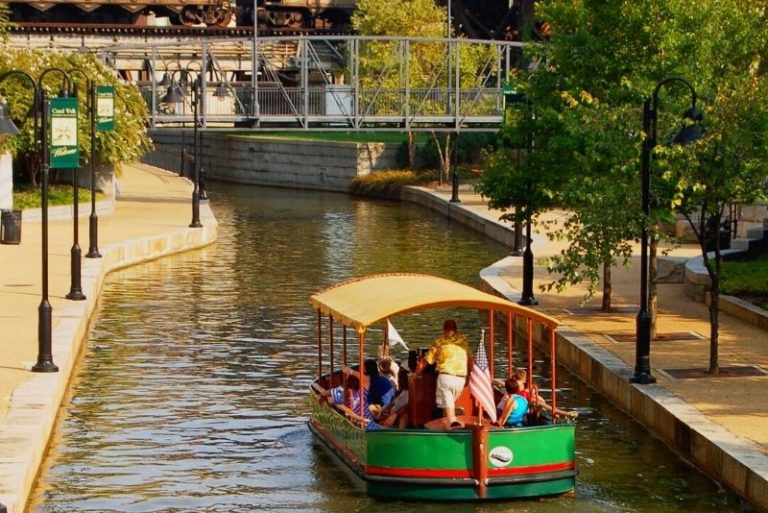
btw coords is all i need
(329, 83)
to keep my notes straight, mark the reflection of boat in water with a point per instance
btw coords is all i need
(427, 460)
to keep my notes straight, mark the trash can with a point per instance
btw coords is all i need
(10, 227)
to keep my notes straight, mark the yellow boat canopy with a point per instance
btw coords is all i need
(361, 302)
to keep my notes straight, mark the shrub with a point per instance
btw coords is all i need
(384, 184)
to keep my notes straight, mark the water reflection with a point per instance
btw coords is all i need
(192, 392)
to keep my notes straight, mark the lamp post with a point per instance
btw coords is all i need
(687, 134)
(41, 105)
(527, 297)
(175, 94)
(93, 220)
(512, 97)
(255, 67)
(75, 287)
(455, 173)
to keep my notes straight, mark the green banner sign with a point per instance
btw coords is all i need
(63, 135)
(105, 108)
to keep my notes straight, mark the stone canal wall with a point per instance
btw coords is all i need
(323, 165)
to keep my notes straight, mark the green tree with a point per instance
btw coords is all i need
(382, 62)
(729, 166)
(601, 62)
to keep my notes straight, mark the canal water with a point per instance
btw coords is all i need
(192, 394)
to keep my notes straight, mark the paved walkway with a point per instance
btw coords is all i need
(151, 219)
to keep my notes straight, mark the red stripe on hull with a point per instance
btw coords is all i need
(533, 469)
(466, 473)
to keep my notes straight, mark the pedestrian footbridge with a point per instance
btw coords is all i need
(322, 82)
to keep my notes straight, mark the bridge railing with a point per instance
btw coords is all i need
(318, 105)
(335, 84)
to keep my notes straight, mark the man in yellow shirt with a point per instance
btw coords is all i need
(449, 353)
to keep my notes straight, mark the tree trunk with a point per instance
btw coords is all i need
(714, 325)
(445, 156)
(607, 285)
(411, 150)
(446, 163)
(31, 163)
(714, 300)
(653, 293)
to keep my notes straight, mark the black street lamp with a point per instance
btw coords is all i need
(527, 296)
(687, 134)
(75, 288)
(455, 174)
(93, 219)
(41, 105)
(175, 94)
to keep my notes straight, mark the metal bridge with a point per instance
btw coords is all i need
(321, 82)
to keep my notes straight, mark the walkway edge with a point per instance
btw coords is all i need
(34, 405)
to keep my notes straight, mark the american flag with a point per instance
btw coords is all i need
(480, 383)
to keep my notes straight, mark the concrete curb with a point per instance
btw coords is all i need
(104, 207)
(35, 404)
(491, 228)
(737, 463)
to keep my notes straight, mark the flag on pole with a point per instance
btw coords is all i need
(480, 382)
(393, 337)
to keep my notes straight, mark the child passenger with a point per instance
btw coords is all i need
(514, 405)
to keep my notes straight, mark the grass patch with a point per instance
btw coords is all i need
(57, 195)
(747, 279)
(386, 184)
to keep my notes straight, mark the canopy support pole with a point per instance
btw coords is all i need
(319, 344)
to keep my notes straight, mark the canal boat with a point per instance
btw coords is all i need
(484, 459)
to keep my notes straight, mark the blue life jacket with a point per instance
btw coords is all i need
(517, 415)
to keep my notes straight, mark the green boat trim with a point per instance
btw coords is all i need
(457, 483)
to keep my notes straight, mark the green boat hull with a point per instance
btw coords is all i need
(419, 464)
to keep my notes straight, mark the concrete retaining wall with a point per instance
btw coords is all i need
(278, 162)
(706, 444)
(493, 229)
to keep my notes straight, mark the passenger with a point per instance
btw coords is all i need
(342, 394)
(347, 400)
(450, 354)
(380, 389)
(389, 369)
(512, 414)
(397, 411)
(522, 376)
(531, 393)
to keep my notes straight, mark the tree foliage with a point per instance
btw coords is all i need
(125, 143)
(602, 61)
(5, 16)
(421, 62)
